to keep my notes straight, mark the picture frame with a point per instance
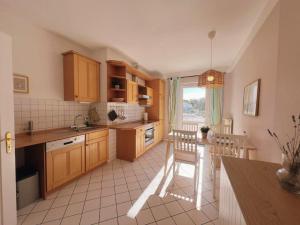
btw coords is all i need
(251, 98)
(21, 83)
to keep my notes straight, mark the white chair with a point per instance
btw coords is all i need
(225, 145)
(190, 126)
(185, 150)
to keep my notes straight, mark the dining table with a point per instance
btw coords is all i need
(205, 142)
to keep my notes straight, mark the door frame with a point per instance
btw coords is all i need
(8, 212)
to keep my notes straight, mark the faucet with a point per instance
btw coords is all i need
(75, 125)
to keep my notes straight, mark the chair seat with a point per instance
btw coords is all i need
(186, 157)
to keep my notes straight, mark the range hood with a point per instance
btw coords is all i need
(144, 97)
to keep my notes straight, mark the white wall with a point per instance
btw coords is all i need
(37, 53)
(272, 56)
(258, 61)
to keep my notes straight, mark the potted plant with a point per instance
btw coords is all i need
(204, 131)
(289, 174)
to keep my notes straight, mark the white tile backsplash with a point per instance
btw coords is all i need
(45, 113)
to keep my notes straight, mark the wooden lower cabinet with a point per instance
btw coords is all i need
(96, 152)
(130, 143)
(64, 165)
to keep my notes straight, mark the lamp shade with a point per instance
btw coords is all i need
(211, 78)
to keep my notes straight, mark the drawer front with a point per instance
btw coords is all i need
(96, 134)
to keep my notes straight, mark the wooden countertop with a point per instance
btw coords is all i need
(24, 140)
(259, 194)
(130, 125)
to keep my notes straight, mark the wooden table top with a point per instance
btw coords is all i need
(24, 140)
(259, 194)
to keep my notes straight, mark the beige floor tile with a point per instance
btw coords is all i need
(108, 213)
(61, 201)
(90, 217)
(81, 188)
(145, 217)
(94, 186)
(74, 209)
(121, 188)
(197, 216)
(125, 220)
(110, 222)
(160, 212)
(107, 192)
(154, 200)
(55, 213)
(93, 194)
(122, 197)
(42, 205)
(108, 200)
(210, 211)
(91, 204)
(174, 208)
(55, 222)
(183, 218)
(167, 221)
(71, 220)
(77, 198)
(21, 219)
(35, 218)
(26, 210)
(123, 208)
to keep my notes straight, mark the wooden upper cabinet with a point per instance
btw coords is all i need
(132, 92)
(157, 111)
(81, 78)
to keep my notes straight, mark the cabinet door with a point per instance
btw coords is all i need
(161, 106)
(150, 93)
(140, 142)
(64, 165)
(93, 81)
(134, 92)
(96, 152)
(83, 68)
(129, 91)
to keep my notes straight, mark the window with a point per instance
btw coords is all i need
(193, 105)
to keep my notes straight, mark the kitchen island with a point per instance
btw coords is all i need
(251, 194)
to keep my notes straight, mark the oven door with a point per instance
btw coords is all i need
(149, 136)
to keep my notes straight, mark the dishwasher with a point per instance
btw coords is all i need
(59, 144)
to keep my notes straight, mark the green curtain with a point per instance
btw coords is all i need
(216, 105)
(173, 96)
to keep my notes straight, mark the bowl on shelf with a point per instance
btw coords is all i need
(118, 99)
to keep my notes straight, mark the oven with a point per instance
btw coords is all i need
(149, 134)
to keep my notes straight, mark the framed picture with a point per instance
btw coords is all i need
(21, 84)
(251, 98)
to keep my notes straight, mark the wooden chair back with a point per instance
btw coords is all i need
(229, 145)
(190, 126)
(185, 145)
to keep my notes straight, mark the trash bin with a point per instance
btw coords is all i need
(27, 186)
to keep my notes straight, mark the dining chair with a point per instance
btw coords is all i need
(225, 145)
(190, 126)
(185, 151)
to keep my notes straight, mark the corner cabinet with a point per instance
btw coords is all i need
(96, 149)
(64, 165)
(81, 78)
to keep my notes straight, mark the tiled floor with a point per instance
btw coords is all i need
(124, 193)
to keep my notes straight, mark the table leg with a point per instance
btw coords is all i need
(167, 157)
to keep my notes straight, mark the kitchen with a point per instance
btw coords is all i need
(148, 113)
(61, 155)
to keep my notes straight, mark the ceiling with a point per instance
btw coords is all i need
(168, 36)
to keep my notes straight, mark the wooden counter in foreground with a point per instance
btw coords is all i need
(251, 194)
